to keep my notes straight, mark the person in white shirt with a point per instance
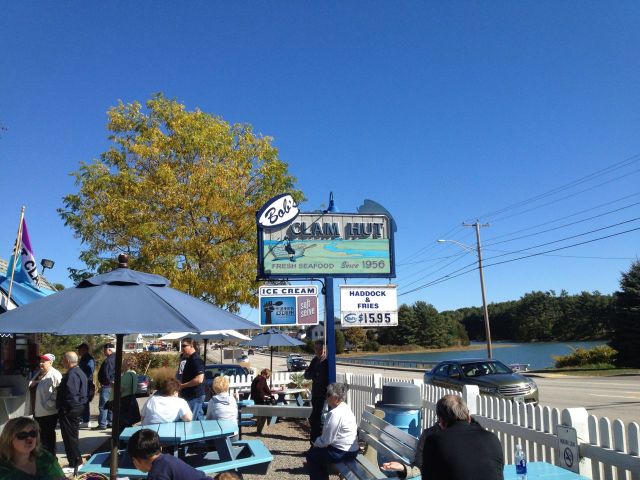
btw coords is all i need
(339, 439)
(166, 406)
(45, 386)
(222, 405)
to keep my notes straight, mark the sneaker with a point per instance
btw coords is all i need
(99, 427)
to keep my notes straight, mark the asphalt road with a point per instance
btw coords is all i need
(612, 397)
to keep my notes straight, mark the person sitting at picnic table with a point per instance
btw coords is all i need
(339, 439)
(461, 449)
(223, 405)
(146, 453)
(166, 406)
(261, 395)
(21, 455)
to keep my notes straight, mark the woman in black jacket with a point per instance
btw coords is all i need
(261, 395)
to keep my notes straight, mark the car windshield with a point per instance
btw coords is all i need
(477, 369)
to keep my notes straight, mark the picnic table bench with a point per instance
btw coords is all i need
(390, 443)
(247, 456)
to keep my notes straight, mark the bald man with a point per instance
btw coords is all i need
(72, 396)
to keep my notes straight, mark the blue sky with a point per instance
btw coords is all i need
(443, 112)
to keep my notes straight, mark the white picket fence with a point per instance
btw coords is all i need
(608, 450)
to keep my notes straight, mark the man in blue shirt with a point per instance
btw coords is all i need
(106, 377)
(146, 454)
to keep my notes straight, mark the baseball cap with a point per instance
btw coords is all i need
(49, 357)
(109, 345)
(82, 345)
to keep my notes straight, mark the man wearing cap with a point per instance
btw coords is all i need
(72, 395)
(88, 365)
(45, 386)
(106, 377)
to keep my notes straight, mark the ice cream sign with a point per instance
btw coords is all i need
(288, 305)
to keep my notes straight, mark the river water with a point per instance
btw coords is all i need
(537, 355)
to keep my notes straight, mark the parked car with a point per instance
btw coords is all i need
(214, 370)
(250, 351)
(143, 386)
(491, 376)
(297, 364)
(290, 359)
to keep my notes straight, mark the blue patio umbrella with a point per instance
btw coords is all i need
(274, 338)
(122, 301)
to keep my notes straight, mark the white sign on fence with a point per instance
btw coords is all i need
(568, 456)
(368, 306)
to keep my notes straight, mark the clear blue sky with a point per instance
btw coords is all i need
(443, 112)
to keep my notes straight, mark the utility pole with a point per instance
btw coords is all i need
(487, 328)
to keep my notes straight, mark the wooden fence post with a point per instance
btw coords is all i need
(578, 419)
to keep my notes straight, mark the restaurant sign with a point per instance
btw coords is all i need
(368, 306)
(288, 305)
(327, 245)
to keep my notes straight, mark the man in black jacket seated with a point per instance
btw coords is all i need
(456, 448)
(71, 399)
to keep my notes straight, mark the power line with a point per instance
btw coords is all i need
(450, 276)
(566, 238)
(598, 173)
(565, 225)
(564, 217)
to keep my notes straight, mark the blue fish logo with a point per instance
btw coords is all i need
(351, 318)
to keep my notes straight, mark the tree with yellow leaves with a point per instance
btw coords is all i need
(178, 191)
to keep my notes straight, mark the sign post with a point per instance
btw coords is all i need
(323, 245)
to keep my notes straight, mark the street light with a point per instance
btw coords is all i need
(487, 329)
(46, 263)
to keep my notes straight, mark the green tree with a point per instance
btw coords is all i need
(178, 191)
(537, 313)
(339, 336)
(356, 336)
(625, 336)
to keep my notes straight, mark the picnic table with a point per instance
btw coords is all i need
(228, 455)
(542, 471)
(286, 395)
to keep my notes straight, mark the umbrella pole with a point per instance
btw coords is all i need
(271, 377)
(115, 424)
(205, 351)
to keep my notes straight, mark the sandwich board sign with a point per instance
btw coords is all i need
(368, 306)
(288, 305)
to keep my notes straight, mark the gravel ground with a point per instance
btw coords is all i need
(288, 442)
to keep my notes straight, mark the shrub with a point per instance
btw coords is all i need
(581, 357)
(371, 346)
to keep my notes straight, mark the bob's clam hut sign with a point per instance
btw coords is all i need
(294, 244)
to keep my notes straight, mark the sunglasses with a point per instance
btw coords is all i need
(25, 435)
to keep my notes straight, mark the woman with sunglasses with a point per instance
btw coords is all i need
(21, 457)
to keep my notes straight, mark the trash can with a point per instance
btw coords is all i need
(401, 404)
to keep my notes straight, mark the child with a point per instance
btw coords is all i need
(144, 449)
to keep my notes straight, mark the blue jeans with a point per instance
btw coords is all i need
(104, 416)
(318, 460)
(195, 404)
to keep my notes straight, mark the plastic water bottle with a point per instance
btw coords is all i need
(521, 463)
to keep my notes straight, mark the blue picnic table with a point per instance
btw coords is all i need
(228, 455)
(542, 471)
